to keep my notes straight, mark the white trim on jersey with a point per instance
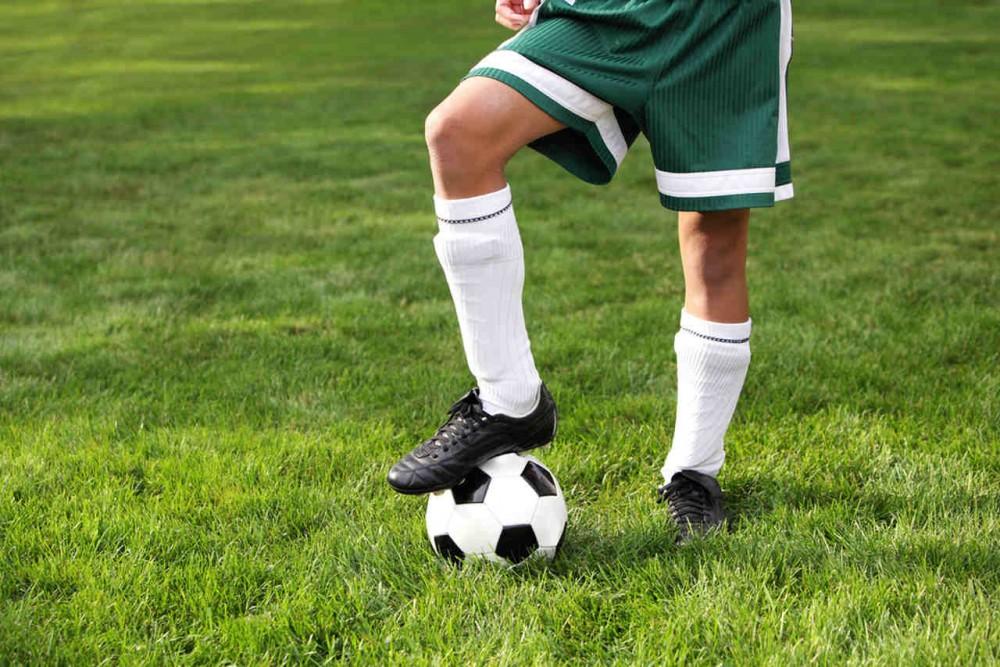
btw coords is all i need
(784, 57)
(716, 183)
(783, 192)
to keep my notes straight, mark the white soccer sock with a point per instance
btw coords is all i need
(712, 362)
(480, 251)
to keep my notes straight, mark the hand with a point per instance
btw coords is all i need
(514, 14)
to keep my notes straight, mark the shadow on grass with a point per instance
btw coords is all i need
(788, 529)
(855, 491)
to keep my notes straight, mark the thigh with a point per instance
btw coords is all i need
(494, 117)
(579, 64)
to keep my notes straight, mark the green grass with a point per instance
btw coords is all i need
(221, 320)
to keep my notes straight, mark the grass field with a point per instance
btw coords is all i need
(221, 320)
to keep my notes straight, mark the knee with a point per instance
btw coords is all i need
(445, 132)
(454, 137)
(438, 127)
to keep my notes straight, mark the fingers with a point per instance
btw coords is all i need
(507, 22)
(513, 14)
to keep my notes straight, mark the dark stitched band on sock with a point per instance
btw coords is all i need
(480, 218)
(717, 340)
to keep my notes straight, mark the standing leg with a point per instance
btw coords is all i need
(713, 344)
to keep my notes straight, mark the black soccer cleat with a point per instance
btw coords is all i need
(695, 502)
(469, 438)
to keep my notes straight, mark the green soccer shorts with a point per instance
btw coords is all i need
(703, 80)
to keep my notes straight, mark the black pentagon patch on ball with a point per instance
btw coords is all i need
(516, 542)
(445, 546)
(472, 489)
(539, 479)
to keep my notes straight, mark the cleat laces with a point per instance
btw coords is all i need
(464, 416)
(687, 500)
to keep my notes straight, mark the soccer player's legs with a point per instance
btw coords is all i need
(470, 138)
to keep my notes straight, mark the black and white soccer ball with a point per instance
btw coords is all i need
(506, 510)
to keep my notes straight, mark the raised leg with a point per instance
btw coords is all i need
(471, 136)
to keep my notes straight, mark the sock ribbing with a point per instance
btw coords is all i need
(712, 362)
(479, 248)
(473, 209)
(721, 332)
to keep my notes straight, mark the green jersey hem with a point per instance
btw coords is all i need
(723, 203)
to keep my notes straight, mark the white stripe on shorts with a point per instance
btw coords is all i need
(783, 192)
(785, 56)
(716, 183)
(566, 94)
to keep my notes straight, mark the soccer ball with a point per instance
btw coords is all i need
(507, 509)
